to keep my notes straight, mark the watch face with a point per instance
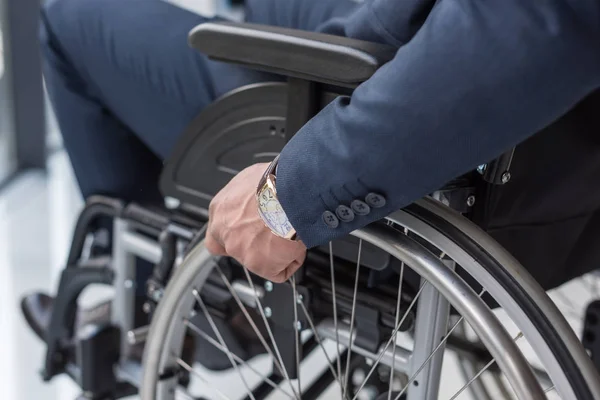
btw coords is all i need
(272, 213)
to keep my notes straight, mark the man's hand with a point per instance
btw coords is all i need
(236, 230)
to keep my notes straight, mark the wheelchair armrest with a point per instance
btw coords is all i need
(291, 52)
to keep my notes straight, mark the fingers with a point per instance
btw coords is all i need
(260, 265)
(236, 230)
(287, 273)
(211, 242)
(300, 253)
(213, 246)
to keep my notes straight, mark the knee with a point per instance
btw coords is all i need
(64, 22)
(45, 29)
(54, 15)
(64, 30)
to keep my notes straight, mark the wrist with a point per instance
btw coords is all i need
(269, 208)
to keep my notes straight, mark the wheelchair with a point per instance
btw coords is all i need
(369, 316)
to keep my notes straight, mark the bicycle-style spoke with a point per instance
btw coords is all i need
(437, 348)
(191, 370)
(391, 339)
(352, 315)
(485, 368)
(297, 329)
(320, 343)
(398, 301)
(363, 369)
(335, 319)
(216, 331)
(240, 361)
(250, 320)
(270, 333)
(276, 359)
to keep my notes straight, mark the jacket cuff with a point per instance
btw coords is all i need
(308, 208)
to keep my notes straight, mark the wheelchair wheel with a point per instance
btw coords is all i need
(442, 276)
(579, 302)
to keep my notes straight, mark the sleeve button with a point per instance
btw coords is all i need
(330, 219)
(360, 207)
(375, 200)
(344, 213)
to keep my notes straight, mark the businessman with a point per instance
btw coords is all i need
(471, 78)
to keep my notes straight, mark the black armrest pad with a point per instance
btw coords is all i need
(291, 52)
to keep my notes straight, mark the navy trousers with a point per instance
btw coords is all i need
(124, 83)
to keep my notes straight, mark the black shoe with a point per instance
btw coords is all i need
(37, 308)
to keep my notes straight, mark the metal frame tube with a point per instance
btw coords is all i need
(326, 330)
(141, 246)
(431, 326)
(123, 303)
(467, 303)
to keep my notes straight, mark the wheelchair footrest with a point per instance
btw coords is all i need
(62, 321)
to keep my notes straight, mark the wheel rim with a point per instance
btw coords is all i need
(584, 378)
(524, 383)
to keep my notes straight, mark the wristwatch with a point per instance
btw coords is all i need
(269, 208)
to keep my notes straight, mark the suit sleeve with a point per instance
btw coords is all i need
(477, 78)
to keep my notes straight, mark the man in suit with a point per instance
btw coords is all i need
(470, 79)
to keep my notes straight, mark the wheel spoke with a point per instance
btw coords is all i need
(392, 338)
(469, 364)
(191, 370)
(335, 320)
(276, 360)
(485, 368)
(320, 342)
(241, 362)
(398, 301)
(438, 347)
(352, 315)
(216, 331)
(270, 332)
(249, 318)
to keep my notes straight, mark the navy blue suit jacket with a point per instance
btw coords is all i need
(471, 79)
